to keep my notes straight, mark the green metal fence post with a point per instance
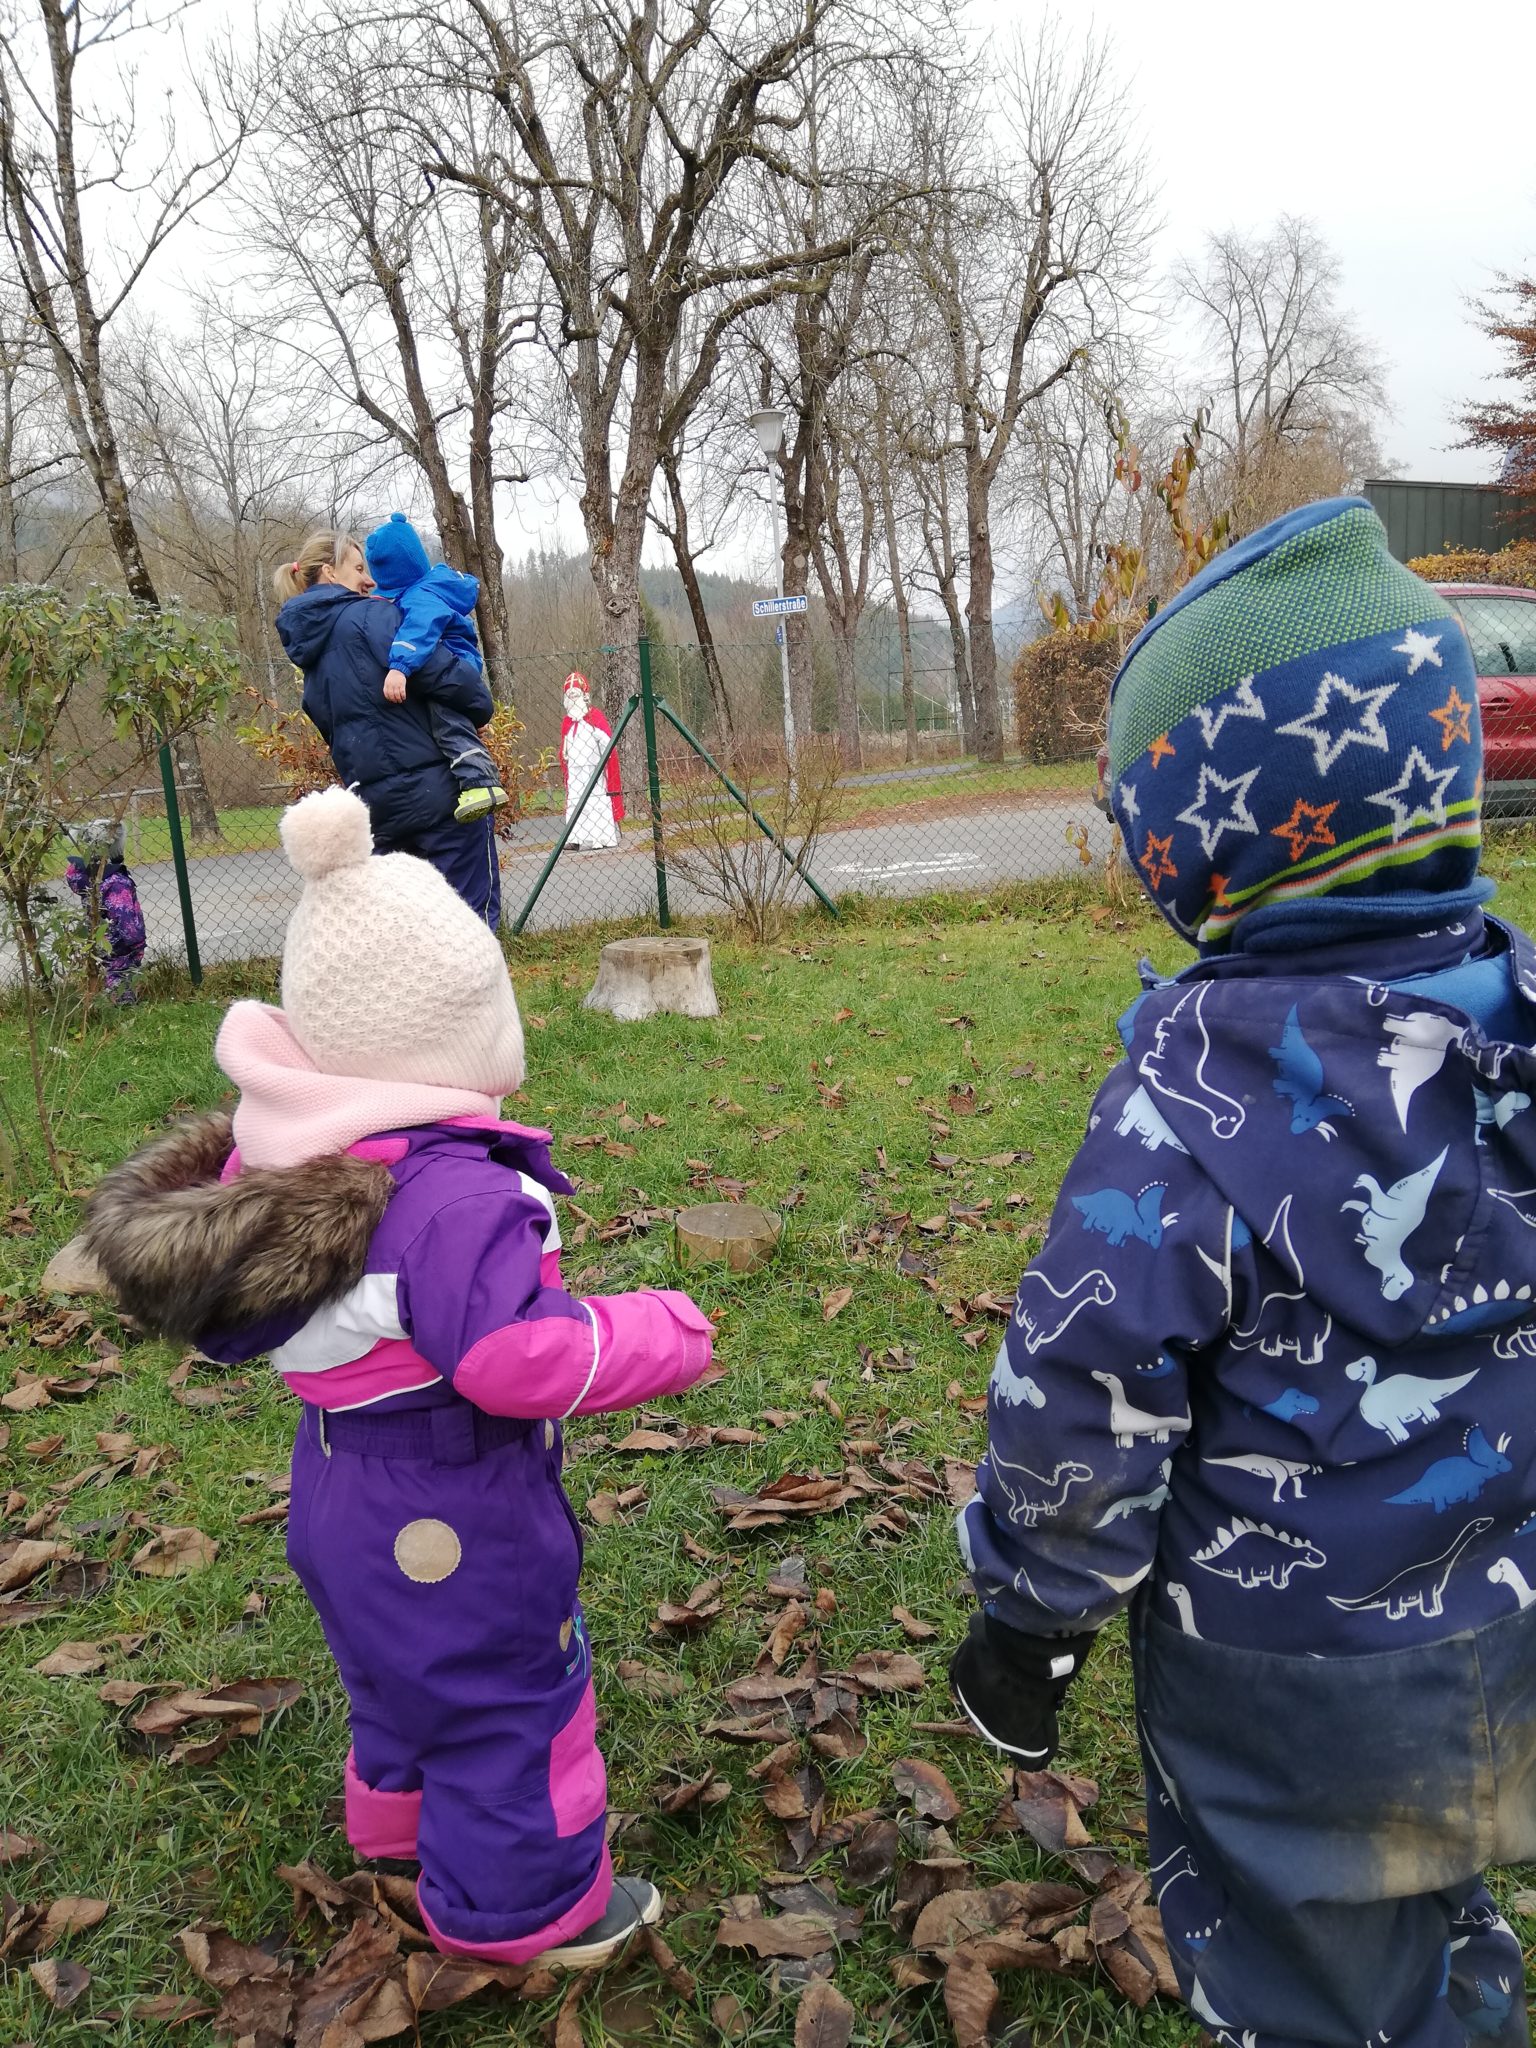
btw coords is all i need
(653, 776)
(179, 862)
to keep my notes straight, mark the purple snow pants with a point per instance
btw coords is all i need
(442, 1557)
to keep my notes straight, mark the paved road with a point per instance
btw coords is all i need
(242, 900)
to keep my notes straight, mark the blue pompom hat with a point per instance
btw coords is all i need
(1297, 734)
(396, 557)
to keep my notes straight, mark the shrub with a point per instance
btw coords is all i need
(1515, 564)
(1060, 685)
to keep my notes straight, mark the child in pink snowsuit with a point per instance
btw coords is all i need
(370, 1221)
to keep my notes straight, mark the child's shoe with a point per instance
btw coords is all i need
(474, 803)
(635, 1903)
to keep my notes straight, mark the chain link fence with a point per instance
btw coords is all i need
(911, 810)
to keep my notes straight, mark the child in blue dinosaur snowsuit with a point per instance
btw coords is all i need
(1272, 1378)
(437, 606)
(98, 874)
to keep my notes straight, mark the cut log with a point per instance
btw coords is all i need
(649, 977)
(72, 1270)
(737, 1235)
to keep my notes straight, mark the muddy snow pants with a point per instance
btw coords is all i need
(1318, 1829)
(442, 1558)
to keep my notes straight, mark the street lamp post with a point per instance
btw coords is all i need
(769, 428)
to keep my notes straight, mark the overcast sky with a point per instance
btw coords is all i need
(1404, 130)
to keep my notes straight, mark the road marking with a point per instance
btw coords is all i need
(946, 864)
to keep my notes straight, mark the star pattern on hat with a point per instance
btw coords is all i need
(1243, 702)
(1160, 750)
(1306, 826)
(1419, 648)
(1156, 862)
(1418, 795)
(1454, 717)
(1341, 716)
(1232, 812)
(1128, 803)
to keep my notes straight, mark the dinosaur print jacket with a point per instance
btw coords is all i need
(1277, 1355)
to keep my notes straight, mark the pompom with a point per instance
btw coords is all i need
(326, 831)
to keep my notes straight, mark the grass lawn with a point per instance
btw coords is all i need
(826, 1087)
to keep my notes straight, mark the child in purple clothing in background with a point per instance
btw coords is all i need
(369, 1220)
(98, 875)
(436, 606)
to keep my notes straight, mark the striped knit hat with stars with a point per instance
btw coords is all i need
(1299, 724)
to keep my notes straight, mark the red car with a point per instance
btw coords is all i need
(1501, 625)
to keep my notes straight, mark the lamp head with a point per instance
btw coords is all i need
(768, 425)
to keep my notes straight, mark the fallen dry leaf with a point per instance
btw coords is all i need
(914, 1630)
(175, 1552)
(790, 1625)
(606, 1508)
(970, 1999)
(833, 1304)
(790, 1934)
(20, 1562)
(647, 1440)
(727, 2013)
(884, 1671)
(824, 2018)
(871, 1855)
(650, 1682)
(83, 1660)
(60, 1983)
(927, 1789)
(1048, 1806)
(15, 1848)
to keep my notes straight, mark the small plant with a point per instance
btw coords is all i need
(727, 857)
(90, 688)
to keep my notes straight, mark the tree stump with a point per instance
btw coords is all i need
(72, 1270)
(737, 1235)
(647, 977)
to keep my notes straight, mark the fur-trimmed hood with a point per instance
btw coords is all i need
(187, 1253)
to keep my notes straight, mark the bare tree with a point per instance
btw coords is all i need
(90, 199)
(412, 303)
(1289, 369)
(843, 544)
(39, 468)
(228, 441)
(636, 149)
(1025, 259)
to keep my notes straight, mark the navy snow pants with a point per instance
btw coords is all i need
(1318, 1831)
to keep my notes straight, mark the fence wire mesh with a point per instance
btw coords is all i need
(910, 811)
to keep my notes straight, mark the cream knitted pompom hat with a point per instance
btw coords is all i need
(387, 973)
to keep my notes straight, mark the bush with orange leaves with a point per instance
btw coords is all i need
(293, 749)
(1514, 565)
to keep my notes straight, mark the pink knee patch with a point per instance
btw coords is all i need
(591, 1906)
(380, 1823)
(578, 1783)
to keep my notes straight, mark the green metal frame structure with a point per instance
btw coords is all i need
(648, 704)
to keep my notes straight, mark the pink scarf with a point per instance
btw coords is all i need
(290, 1111)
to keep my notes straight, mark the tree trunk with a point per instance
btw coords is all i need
(703, 631)
(797, 629)
(898, 588)
(962, 663)
(978, 612)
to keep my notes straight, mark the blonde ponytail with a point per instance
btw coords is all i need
(321, 551)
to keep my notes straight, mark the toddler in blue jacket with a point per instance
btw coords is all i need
(436, 607)
(1272, 1378)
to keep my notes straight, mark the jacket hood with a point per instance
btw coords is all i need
(306, 622)
(396, 557)
(1387, 1109)
(187, 1253)
(459, 591)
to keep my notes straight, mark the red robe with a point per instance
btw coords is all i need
(615, 787)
